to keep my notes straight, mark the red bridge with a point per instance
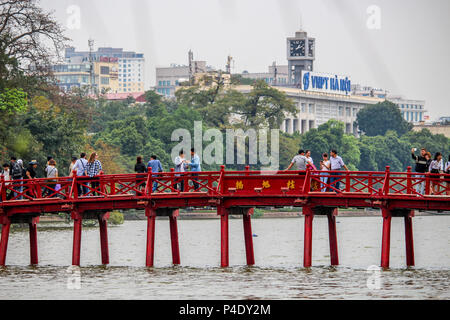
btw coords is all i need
(232, 193)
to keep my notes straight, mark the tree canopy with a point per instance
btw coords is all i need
(374, 120)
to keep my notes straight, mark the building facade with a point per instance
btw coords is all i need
(169, 78)
(277, 75)
(131, 66)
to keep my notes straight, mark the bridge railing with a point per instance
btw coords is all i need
(348, 182)
(417, 184)
(229, 183)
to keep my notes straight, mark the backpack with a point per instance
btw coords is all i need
(16, 171)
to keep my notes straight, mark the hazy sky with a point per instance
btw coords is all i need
(408, 55)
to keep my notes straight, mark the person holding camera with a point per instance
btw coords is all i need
(421, 167)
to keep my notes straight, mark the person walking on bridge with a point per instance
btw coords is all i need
(436, 167)
(195, 167)
(180, 166)
(421, 167)
(93, 168)
(300, 160)
(80, 169)
(336, 164)
(156, 167)
(140, 169)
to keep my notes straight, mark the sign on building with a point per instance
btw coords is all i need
(328, 83)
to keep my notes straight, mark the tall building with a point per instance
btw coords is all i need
(131, 66)
(76, 73)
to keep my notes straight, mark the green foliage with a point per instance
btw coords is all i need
(116, 217)
(13, 101)
(377, 119)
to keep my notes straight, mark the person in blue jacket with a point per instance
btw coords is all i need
(156, 167)
(195, 167)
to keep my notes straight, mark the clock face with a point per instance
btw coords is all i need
(297, 48)
(311, 48)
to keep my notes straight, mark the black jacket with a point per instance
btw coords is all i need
(140, 168)
(421, 163)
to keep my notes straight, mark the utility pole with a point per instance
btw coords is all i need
(191, 71)
(228, 67)
(91, 66)
(275, 73)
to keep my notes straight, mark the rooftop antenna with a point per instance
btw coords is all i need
(228, 67)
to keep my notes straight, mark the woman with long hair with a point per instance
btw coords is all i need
(436, 167)
(141, 169)
(93, 168)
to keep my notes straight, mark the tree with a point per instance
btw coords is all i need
(12, 101)
(377, 119)
(30, 39)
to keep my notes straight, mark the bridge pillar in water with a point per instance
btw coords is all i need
(6, 224)
(246, 214)
(224, 242)
(248, 236)
(33, 240)
(174, 237)
(151, 214)
(386, 238)
(32, 220)
(77, 218)
(331, 214)
(103, 224)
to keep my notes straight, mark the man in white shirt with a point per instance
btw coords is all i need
(180, 166)
(336, 164)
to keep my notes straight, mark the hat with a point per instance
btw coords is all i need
(33, 162)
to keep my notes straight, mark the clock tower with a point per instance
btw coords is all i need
(301, 51)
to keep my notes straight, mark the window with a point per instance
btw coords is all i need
(355, 111)
(104, 80)
(347, 111)
(311, 108)
(303, 107)
(104, 70)
(341, 111)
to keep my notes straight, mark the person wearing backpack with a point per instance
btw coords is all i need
(80, 168)
(16, 173)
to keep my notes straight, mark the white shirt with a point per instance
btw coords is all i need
(6, 175)
(80, 166)
(326, 164)
(179, 165)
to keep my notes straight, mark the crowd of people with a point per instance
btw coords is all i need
(436, 166)
(90, 168)
(333, 162)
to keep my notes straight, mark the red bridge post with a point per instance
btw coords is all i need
(307, 252)
(6, 224)
(103, 223)
(409, 238)
(333, 237)
(33, 240)
(386, 239)
(174, 236)
(151, 217)
(248, 236)
(224, 245)
(77, 224)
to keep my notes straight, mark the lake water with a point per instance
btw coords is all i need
(278, 273)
